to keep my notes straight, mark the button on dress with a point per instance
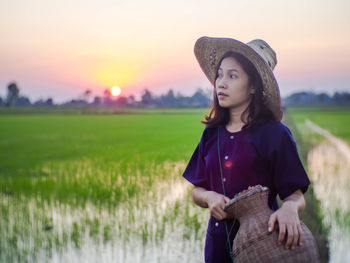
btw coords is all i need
(265, 154)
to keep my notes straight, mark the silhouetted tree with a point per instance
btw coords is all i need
(199, 98)
(39, 102)
(121, 100)
(87, 94)
(107, 93)
(22, 101)
(147, 97)
(12, 94)
(107, 100)
(313, 99)
(97, 100)
(341, 98)
(131, 100)
(49, 102)
(324, 98)
(182, 101)
(168, 99)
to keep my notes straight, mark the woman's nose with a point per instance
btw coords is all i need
(222, 83)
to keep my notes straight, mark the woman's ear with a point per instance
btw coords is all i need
(251, 89)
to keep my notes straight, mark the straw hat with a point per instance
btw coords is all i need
(209, 52)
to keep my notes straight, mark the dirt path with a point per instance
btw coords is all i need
(329, 168)
(342, 146)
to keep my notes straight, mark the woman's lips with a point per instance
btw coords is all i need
(222, 95)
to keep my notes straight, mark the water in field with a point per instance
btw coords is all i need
(99, 188)
(109, 189)
(329, 166)
(158, 225)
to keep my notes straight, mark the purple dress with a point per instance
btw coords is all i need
(265, 155)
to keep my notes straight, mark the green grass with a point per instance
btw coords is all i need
(312, 215)
(105, 157)
(96, 110)
(335, 120)
(70, 157)
(26, 141)
(67, 164)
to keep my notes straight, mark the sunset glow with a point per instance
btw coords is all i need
(115, 91)
(63, 55)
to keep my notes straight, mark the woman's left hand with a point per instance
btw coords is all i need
(289, 223)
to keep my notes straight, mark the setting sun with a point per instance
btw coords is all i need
(115, 91)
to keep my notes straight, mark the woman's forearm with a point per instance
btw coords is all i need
(212, 200)
(199, 196)
(296, 199)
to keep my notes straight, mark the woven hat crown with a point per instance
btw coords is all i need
(265, 51)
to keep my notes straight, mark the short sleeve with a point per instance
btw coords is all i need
(288, 170)
(195, 170)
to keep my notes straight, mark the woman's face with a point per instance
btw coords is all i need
(231, 86)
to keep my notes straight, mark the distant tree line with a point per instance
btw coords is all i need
(168, 100)
(13, 98)
(148, 99)
(317, 99)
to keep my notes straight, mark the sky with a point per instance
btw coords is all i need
(61, 48)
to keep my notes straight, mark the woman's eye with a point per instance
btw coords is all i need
(233, 76)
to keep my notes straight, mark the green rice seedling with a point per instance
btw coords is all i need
(49, 245)
(94, 228)
(75, 235)
(107, 233)
(145, 234)
(160, 232)
(65, 239)
(176, 209)
(58, 242)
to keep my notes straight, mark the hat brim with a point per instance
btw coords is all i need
(209, 52)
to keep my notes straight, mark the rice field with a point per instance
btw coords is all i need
(328, 136)
(92, 186)
(102, 185)
(335, 120)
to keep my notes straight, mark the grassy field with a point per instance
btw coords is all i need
(328, 166)
(313, 215)
(335, 120)
(35, 146)
(113, 176)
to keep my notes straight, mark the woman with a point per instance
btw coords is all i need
(255, 147)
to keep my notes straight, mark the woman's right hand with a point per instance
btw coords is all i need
(216, 203)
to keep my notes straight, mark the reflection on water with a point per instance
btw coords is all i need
(329, 166)
(162, 225)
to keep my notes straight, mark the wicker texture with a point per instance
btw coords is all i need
(253, 242)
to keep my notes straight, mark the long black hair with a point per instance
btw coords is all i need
(257, 112)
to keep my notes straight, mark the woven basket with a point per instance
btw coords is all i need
(253, 242)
